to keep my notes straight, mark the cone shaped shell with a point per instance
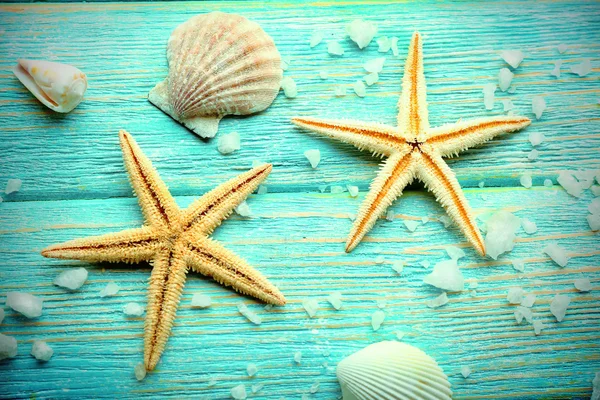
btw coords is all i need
(219, 64)
(392, 371)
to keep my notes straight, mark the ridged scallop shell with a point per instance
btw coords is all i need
(219, 64)
(391, 371)
(60, 87)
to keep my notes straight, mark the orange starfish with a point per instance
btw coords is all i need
(414, 150)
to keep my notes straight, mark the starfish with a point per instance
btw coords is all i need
(173, 241)
(414, 150)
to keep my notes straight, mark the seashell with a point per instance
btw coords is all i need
(219, 64)
(60, 87)
(392, 370)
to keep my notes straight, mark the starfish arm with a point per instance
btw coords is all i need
(440, 180)
(165, 288)
(158, 206)
(210, 258)
(413, 118)
(377, 138)
(450, 139)
(131, 246)
(206, 213)
(397, 172)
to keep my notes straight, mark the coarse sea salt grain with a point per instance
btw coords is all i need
(313, 156)
(2, 314)
(465, 371)
(316, 38)
(398, 266)
(257, 387)
(13, 185)
(548, 183)
(227, 144)
(289, 87)
(596, 387)
(570, 184)
(384, 44)
(536, 138)
(594, 221)
(359, 88)
(285, 63)
(41, 351)
(533, 155)
(389, 215)
(474, 284)
(582, 69)
(201, 300)
(562, 48)
(583, 284)
(297, 357)
(394, 45)
(371, 79)
(239, 392)
(411, 225)
(323, 74)
(361, 32)
(335, 299)
(249, 314)
(558, 306)
(314, 388)
(334, 48)
(556, 71)
(8, 347)
(508, 105)
(523, 312)
(262, 189)
(425, 264)
(399, 335)
(243, 209)
(446, 220)
(374, 65)
(337, 189)
(339, 90)
(481, 184)
(454, 252)
(528, 301)
(352, 190)
(25, 303)
(438, 301)
(109, 290)
(594, 206)
(447, 276)
(515, 295)
(501, 230)
(311, 306)
(529, 227)
(71, 279)
(595, 190)
(488, 95)
(379, 260)
(512, 57)
(557, 253)
(140, 371)
(251, 369)
(537, 327)
(133, 309)
(538, 106)
(505, 77)
(257, 163)
(525, 180)
(377, 319)
(518, 265)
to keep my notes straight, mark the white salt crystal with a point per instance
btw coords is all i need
(447, 276)
(13, 185)
(371, 78)
(377, 319)
(488, 95)
(384, 44)
(570, 184)
(262, 189)
(465, 371)
(548, 183)
(251, 369)
(211, 382)
(239, 392)
(314, 388)
(528, 300)
(379, 260)
(454, 252)
(359, 88)
(322, 188)
(446, 220)
(335, 48)
(249, 314)
(518, 265)
(311, 306)
(25, 303)
(335, 299)
(140, 371)
(257, 163)
(394, 45)
(2, 314)
(398, 266)
(133, 309)
(340, 90)
(474, 284)
(594, 221)
(424, 220)
(533, 155)
(71, 279)
(556, 71)
(538, 326)
(285, 63)
(536, 138)
(243, 209)
(508, 105)
(257, 387)
(438, 301)
(529, 227)
(595, 190)
(481, 184)
(425, 264)
(374, 65)
(336, 189)
(399, 335)
(558, 306)
(41, 351)
(389, 215)
(512, 90)
(538, 105)
(596, 387)
(8, 347)
(351, 216)
(352, 190)
(323, 74)
(382, 303)
(501, 228)
(594, 206)
(583, 284)
(297, 357)
(313, 156)
(526, 180)
(557, 253)
(562, 48)
(515, 295)
(289, 87)
(109, 290)
(316, 38)
(361, 32)
(201, 300)
(411, 225)
(505, 77)
(228, 143)
(523, 312)
(512, 57)
(582, 69)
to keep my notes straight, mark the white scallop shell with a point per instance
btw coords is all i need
(219, 64)
(60, 87)
(391, 371)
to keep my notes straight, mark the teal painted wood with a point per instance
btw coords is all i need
(74, 185)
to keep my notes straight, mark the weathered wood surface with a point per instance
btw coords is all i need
(74, 185)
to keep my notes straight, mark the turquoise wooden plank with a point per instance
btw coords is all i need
(74, 185)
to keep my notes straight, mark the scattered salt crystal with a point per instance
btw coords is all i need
(528, 300)
(2, 314)
(140, 371)
(257, 163)
(8, 347)
(508, 105)
(488, 95)
(201, 300)
(523, 312)
(238, 392)
(425, 264)
(13, 185)
(313, 156)
(297, 357)
(538, 105)
(256, 388)
(211, 382)
(377, 319)
(501, 228)
(382, 303)
(251, 369)
(336, 189)
(25, 303)
(359, 88)
(446, 220)
(582, 69)
(133, 309)
(314, 388)
(454, 252)
(474, 284)
(533, 155)
(595, 190)
(361, 32)
(583, 284)
(322, 188)
(394, 45)
(262, 189)
(481, 184)
(515, 295)
(526, 180)
(512, 57)
(397, 266)
(41, 351)
(311, 306)
(353, 190)
(371, 78)
(465, 371)
(316, 38)
(505, 77)
(447, 276)
(556, 71)
(228, 143)
(594, 221)
(570, 184)
(285, 63)
(411, 225)
(243, 209)
(536, 138)
(323, 74)
(249, 314)
(109, 290)
(71, 279)
(399, 335)
(548, 183)
(424, 220)
(340, 90)
(389, 215)
(335, 299)
(594, 206)
(289, 87)
(538, 326)
(562, 48)
(438, 301)
(529, 227)
(512, 90)
(335, 48)
(557, 253)
(384, 44)
(379, 260)
(596, 387)
(351, 216)
(518, 265)
(374, 65)
(558, 306)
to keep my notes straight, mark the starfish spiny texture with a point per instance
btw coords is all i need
(414, 150)
(173, 240)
